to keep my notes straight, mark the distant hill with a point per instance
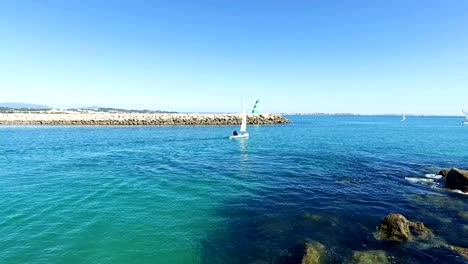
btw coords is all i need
(24, 106)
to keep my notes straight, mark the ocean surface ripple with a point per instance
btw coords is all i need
(188, 194)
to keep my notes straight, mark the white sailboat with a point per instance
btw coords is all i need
(243, 128)
(466, 117)
(403, 118)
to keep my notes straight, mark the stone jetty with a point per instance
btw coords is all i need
(136, 119)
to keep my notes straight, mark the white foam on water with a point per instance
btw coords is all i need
(434, 176)
(434, 181)
(458, 191)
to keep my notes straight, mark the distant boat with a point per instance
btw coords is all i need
(243, 128)
(403, 118)
(466, 117)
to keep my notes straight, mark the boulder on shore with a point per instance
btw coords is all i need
(397, 228)
(457, 179)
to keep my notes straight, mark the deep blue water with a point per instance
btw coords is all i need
(188, 194)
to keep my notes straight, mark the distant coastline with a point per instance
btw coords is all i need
(110, 110)
(351, 114)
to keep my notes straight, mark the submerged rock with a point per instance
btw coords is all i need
(314, 253)
(460, 250)
(457, 179)
(370, 257)
(312, 217)
(440, 202)
(463, 215)
(324, 220)
(397, 228)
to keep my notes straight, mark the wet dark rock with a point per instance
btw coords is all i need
(443, 172)
(457, 179)
(397, 228)
(314, 253)
(369, 257)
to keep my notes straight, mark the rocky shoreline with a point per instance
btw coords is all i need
(395, 228)
(136, 119)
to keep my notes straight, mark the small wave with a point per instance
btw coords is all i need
(423, 180)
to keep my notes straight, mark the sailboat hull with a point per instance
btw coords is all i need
(245, 135)
(243, 127)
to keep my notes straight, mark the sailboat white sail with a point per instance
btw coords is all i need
(403, 118)
(466, 117)
(243, 128)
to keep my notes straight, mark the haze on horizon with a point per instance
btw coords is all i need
(366, 57)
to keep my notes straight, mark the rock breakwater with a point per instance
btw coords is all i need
(138, 119)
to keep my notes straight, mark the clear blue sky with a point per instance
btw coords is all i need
(297, 56)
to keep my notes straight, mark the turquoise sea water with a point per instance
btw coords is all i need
(187, 194)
